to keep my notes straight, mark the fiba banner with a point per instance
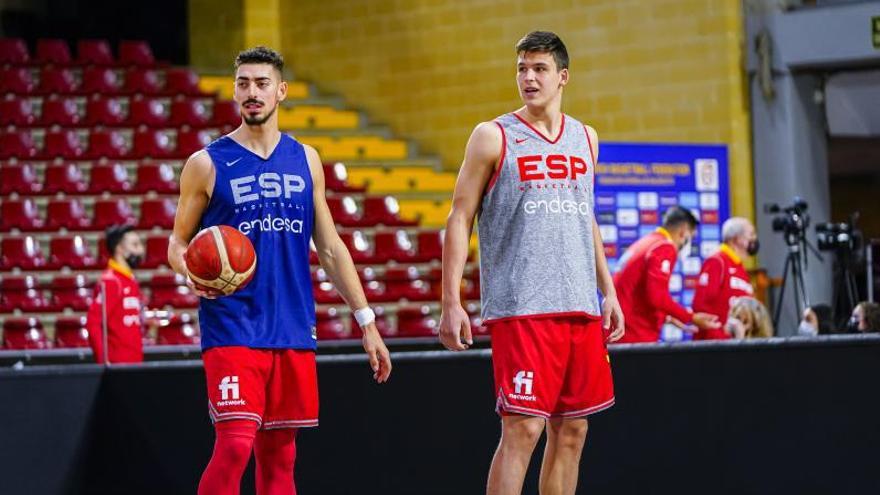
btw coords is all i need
(636, 183)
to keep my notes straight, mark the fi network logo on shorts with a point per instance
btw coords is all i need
(229, 392)
(522, 386)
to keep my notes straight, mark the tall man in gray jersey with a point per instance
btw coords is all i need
(530, 174)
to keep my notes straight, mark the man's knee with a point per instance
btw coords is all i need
(522, 430)
(569, 433)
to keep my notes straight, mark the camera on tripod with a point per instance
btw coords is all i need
(792, 220)
(837, 237)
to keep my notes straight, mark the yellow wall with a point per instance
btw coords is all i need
(216, 34)
(657, 70)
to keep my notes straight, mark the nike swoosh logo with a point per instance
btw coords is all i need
(233, 162)
(520, 141)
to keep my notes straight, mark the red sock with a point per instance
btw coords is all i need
(232, 450)
(275, 451)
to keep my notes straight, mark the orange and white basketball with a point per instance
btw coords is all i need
(220, 260)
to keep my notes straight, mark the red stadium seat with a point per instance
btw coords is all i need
(66, 178)
(70, 291)
(17, 80)
(398, 246)
(104, 143)
(336, 178)
(57, 80)
(182, 81)
(409, 284)
(152, 143)
(157, 252)
(136, 52)
(179, 330)
(192, 140)
(68, 214)
(330, 326)
(94, 52)
(111, 178)
(226, 114)
(22, 293)
(417, 322)
(112, 212)
(157, 213)
(71, 252)
(23, 215)
(142, 81)
(21, 179)
(105, 111)
(100, 81)
(384, 210)
(147, 111)
(71, 332)
(17, 144)
(191, 112)
(362, 248)
(158, 177)
(17, 111)
(21, 252)
(63, 143)
(431, 245)
(346, 212)
(60, 111)
(13, 51)
(169, 289)
(53, 51)
(24, 333)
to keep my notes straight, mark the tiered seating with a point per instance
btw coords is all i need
(94, 136)
(24, 333)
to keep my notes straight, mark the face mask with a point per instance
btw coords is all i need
(853, 325)
(134, 260)
(685, 251)
(806, 329)
(753, 247)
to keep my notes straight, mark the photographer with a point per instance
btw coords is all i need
(723, 276)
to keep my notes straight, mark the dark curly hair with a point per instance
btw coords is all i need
(260, 55)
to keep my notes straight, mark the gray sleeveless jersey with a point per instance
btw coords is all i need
(536, 225)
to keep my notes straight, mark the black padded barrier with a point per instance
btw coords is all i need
(772, 416)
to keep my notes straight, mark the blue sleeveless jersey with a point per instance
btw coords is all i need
(271, 202)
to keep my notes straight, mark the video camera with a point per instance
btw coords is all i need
(791, 220)
(837, 237)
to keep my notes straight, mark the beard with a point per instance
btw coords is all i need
(258, 120)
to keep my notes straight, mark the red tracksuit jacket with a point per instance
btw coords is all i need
(722, 278)
(123, 317)
(642, 285)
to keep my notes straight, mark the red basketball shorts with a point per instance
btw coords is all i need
(551, 367)
(277, 388)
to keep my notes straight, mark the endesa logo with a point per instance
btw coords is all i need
(558, 167)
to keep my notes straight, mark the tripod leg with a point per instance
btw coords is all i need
(777, 311)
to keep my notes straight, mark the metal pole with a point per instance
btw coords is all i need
(869, 257)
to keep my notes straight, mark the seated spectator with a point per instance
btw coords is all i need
(865, 318)
(749, 319)
(818, 320)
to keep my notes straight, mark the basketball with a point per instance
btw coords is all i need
(220, 260)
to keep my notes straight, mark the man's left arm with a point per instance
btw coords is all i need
(337, 262)
(612, 315)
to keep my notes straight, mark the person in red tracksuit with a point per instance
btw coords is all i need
(123, 301)
(642, 281)
(723, 276)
